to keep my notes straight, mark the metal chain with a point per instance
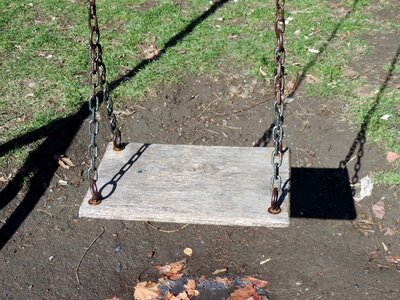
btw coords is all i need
(95, 53)
(98, 81)
(279, 85)
(116, 133)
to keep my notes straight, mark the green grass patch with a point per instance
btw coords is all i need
(389, 178)
(44, 57)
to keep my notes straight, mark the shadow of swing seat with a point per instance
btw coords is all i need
(321, 193)
(214, 185)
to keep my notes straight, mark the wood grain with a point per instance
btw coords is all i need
(188, 184)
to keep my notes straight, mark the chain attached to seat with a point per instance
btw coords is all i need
(278, 107)
(98, 82)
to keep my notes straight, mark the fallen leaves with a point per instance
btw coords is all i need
(172, 286)
(149, 50)
(290, 86)
(171, 271)
(392, 156)
(180, 296)
(256, 282)
(146, 291)
(379, 209)
(248, 292)
(190, 288)
(64, 161)
(389, 231)
(312, 79)
(350, 73)
(393, 259)
(223, 280)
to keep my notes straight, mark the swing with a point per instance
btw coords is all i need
(186, 183)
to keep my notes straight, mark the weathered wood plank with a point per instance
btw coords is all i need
(188, 184)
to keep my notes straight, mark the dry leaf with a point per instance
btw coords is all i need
(256, 282)
(222, 280)
(392, 156)
(188, 251)
(64, 161)
(175, 276)
(390, 231)
(393, 259)
(147, 291)
(180, 296)
(172, 270)
(202, 278)
(190, 288)
(168, 295)
(290, 85)
(247, 292)
(379, 209)
(149, 50)
(311, 79)
(191, 284)
(350, 73)
(177, 266)
(164, 269)
(219, 271)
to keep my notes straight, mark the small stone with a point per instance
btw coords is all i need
(116, 248)
(118, 268)
(51, 258)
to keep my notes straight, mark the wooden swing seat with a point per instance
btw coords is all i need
(188, 184)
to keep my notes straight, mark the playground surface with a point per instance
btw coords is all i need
(44, 245)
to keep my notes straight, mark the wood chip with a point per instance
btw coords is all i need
(217, 271)
(188, 251)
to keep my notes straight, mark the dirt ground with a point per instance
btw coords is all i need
(321, 255)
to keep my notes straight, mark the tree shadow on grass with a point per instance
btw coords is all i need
(59, 135)
(266, 138)
(327, 193)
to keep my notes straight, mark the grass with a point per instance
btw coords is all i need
(392, 178)
(43, 55)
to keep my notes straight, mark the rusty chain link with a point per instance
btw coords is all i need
(98, 82)
(279, 86)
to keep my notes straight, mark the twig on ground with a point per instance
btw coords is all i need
(164, 230)
(212, 131)
(86, 251)
(46, 212)
(208, 106)
(249, 107)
